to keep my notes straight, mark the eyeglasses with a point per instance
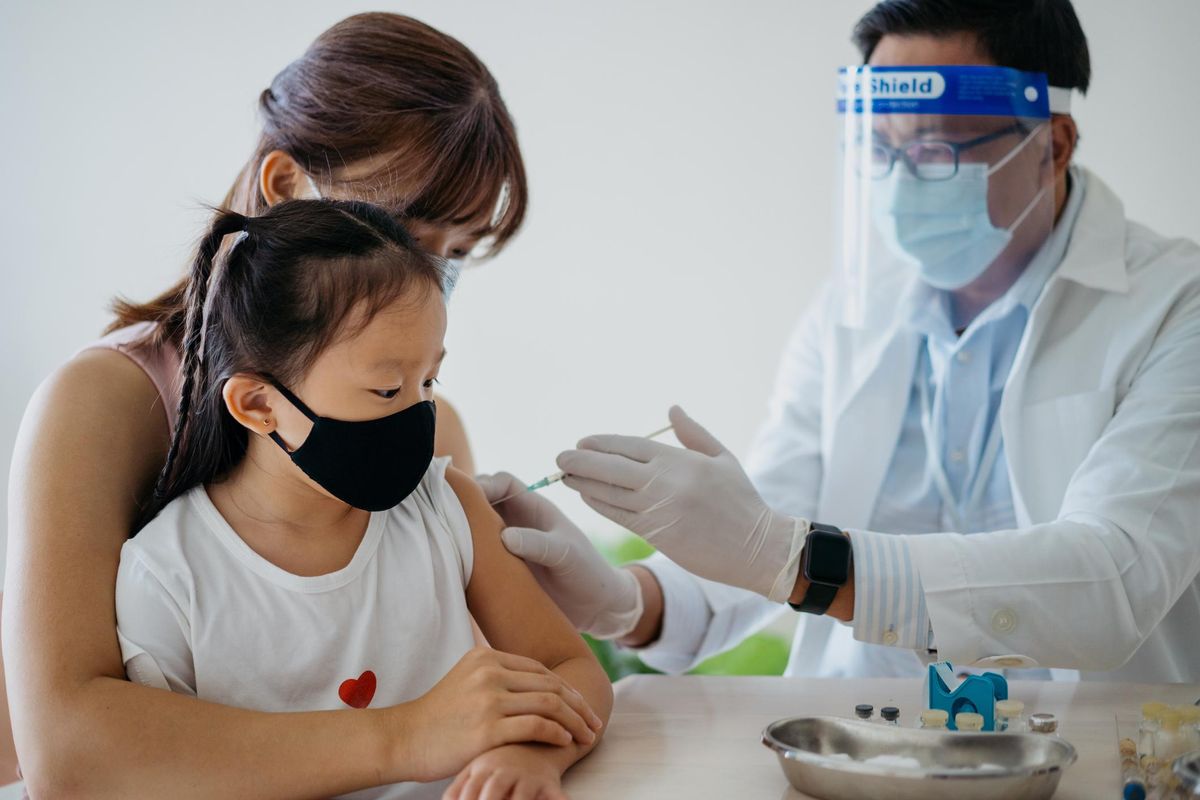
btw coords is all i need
(927, 160)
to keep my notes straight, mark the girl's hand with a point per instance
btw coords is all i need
(489, 699)
(515, 772)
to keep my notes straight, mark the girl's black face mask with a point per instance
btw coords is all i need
(371, 464)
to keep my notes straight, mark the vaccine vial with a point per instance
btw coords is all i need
(1043, 723)
(1168, 742)
(1190, 731)
(890, 714)
(968, 721)
(1147, 731)
(934, 719)
(1010, 716)
(864, 711)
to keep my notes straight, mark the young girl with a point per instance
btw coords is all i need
(308, 553)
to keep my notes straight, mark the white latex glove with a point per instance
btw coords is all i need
(696, 505)
(599, 599)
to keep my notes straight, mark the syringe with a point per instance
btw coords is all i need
(555, 477)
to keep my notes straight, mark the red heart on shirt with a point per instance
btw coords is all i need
(358, 693)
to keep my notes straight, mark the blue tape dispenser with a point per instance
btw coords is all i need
(977, 693)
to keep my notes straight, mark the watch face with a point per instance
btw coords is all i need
(827, 558)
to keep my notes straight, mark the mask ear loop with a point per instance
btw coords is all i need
(1028, 209)
(1011, 154)
(295, 401)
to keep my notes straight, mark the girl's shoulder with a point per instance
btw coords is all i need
(170, 541)
(166, 551)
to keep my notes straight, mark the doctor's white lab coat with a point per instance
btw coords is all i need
(1101, 424)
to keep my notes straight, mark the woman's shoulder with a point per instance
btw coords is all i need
(100, 396)
(157, 360)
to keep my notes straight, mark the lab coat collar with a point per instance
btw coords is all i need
(1095, 256)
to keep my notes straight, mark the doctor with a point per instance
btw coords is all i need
(984, 441)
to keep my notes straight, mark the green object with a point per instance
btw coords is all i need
(760, 654)
(630, 548)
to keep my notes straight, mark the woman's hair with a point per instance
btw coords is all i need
(306, 273)
(409, 102)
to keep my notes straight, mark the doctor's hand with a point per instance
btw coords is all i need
(598, 598)
(696, 505)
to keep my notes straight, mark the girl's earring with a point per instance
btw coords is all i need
(266, 422)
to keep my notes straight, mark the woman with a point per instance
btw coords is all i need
(381, 108)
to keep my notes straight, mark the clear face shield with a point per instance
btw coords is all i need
(945, 175)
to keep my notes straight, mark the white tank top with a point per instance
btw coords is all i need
(199, 612)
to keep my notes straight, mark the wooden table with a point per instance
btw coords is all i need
(699, 737)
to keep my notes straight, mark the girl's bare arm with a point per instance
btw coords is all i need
(518, 617)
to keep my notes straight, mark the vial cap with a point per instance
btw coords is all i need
(889, 713)
(1009, 708)
(968, 721)
(1043, 723)
(934, 717)
(1189, 714)
(1152, 710)
(864, 710)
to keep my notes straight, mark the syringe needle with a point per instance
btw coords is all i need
(659, 432)
(555, 477)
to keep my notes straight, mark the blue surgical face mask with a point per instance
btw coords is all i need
(943, 227)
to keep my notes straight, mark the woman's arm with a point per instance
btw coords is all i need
(518, 617)
(8, 750)
(91, 442)
(450, 438)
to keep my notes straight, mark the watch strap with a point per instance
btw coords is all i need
(819, 596)
(817, 599)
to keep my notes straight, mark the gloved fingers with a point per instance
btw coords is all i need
(627, 499)
(548, 549)
(521, 508)
(524, 510)
(606, 467)
(693, 435)
(499, 485)
(636, 448)
(618, 515)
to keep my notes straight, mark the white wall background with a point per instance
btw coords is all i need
(679, 154)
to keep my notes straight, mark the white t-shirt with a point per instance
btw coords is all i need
(200, 613)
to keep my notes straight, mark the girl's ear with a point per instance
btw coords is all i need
(249, 402)
(280, 178)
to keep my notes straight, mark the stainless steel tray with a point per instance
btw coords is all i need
(1015, 765)
(1187, 767)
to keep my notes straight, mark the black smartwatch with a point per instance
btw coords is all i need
(825, 564)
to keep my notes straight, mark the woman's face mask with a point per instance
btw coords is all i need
(943, 227)
(370, 464)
